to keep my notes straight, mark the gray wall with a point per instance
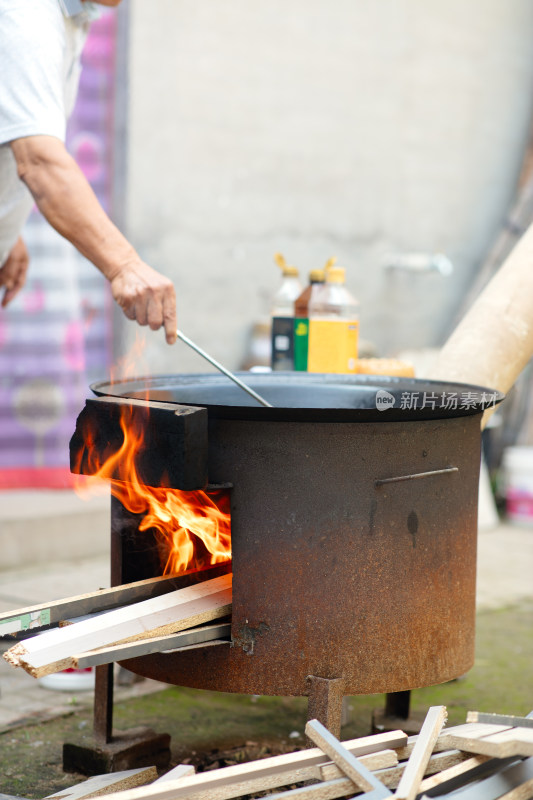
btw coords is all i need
(318, 128)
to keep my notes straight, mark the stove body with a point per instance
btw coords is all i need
(353, 550)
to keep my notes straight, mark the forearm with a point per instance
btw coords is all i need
(67, 201)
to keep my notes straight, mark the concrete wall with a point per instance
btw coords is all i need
(318, 128)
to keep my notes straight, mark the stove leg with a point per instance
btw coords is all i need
(108, 752)
(112, 751)
(396, 715)
(103, 704)
(397, 704)
(325, 702)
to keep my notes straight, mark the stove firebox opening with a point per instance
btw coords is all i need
(172, 530)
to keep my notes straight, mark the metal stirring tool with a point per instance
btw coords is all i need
(223, 369)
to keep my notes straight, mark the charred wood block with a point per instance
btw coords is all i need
(170, 442)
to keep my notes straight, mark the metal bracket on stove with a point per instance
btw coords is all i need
(415, 476)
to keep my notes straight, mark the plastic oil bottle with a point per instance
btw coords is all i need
(301, 316)
(283, 316)
(333, 326)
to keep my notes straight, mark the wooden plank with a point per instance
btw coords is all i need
(257, 776)
(469, 733)
(496, 787)
(325, 791)
(499, 719)
(337, 787)
(100, 785)
(452, 772)
(414, 770)
(157, 644)
(522, 792)
(185, 608)
(497, 743)
(438, 762)
(22, 621)
(179, 772)
(385, 759)
(440, 745)
(514, 742)
(482, 770)
(346, 761)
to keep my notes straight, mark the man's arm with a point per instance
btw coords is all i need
(66, 200)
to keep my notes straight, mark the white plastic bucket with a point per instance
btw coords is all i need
(517, 466)
(69, 680)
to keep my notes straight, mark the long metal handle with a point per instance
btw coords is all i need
(416, 475)
(223, 369)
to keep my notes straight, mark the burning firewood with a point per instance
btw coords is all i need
(55, 650)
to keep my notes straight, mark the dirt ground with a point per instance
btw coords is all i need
(213, 729)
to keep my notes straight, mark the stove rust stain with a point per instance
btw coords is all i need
(412, 525)
(247, 636)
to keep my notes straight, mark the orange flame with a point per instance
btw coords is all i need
(193, 529)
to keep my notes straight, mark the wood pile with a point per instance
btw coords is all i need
(490, 757)
(480, 760)
(161, 623)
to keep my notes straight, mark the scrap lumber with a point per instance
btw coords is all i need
(179, 772)
(157, 644)
(437, 763)
(267, 773)
(445, 777)
(522, 792)
(339, 786)
(477, 773)
(360, 775)
(498, 741)
(499, 719)
(43, 615)
(375, 761)
(100, 785)
(53, 650)
(325, 791)
(512, 783)
(416, 765)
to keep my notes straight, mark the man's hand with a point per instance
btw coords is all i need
(146, 296)
(13, 273)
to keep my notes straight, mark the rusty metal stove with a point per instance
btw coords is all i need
(353, 529)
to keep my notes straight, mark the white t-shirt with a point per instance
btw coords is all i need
(39, 72)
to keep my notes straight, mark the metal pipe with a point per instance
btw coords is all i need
(222, 369)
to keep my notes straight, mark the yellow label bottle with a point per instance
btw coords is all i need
(333, 327)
